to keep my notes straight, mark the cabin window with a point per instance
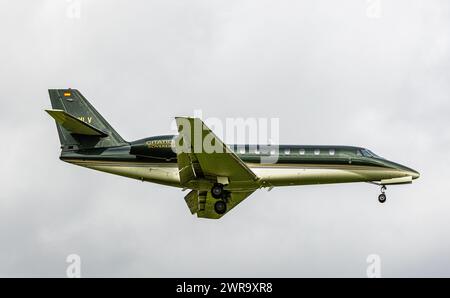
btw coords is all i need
(316, 151)
(287, 151)
(301, 151)
(253, 149)
(358, 153)
(331, 151)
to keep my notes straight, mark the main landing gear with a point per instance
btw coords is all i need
(221, 195)
(220, 207)
(382, 196)
(217, 191)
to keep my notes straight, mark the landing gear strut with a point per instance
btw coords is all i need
(382, 196)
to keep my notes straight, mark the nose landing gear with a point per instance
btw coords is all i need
(382, 196)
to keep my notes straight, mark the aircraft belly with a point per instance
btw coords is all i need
(273, 175)
(167, 175)
(284, 176)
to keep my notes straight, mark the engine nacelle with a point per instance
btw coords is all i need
(161, 147)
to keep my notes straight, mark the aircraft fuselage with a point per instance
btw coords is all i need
(154, 160)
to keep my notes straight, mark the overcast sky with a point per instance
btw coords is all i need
(355, 72)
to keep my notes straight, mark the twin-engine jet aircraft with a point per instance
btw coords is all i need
(219, 179)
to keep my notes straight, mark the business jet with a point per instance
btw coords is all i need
(219, 176)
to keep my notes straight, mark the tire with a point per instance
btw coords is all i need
(217, 191)
(382, 198)
(220, 207)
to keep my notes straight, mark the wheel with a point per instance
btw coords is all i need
(220, 207)
(382, 198)
(217, 191)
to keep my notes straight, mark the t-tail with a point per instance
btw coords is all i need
(79, 124)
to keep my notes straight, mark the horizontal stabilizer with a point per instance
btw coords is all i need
(75, 125)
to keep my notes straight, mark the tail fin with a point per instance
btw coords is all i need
(79, 124)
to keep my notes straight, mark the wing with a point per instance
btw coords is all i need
(202, 203)
(203, 160)
(202, 154)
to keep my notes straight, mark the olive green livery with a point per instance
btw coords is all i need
(218, 179)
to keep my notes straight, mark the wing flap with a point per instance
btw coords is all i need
(234, 199)
(202, 203)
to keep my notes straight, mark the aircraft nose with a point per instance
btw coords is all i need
(415, 174)
(407, 171)
(410, 172)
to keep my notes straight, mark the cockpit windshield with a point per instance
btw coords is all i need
(368, 153)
